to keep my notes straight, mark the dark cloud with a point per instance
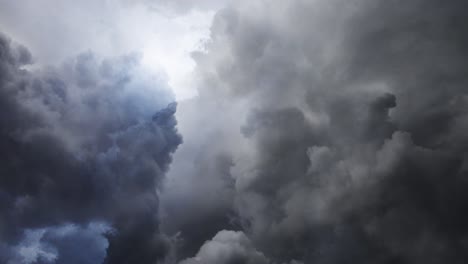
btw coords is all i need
(324, 132)
(67, 244)
(348, 118)
(87, 141)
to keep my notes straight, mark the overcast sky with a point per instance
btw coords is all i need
(233, 132)
(112, 28)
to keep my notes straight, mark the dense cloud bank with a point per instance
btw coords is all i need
(324, 132)
(84, 143)
(344, 124)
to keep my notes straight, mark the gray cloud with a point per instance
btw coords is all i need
(87, 141)
(181, 5)
(63, 244)
(199, 190)
(324, 132)
(347, 118)
(228, 247)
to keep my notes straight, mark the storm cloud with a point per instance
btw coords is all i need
(85, 142)
(323, 131)
(348, 120)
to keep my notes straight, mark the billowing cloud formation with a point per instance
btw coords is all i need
(64, 244)
(228, 247)
(325, 131)
(344, 122)
(199, 189)
(82, 143)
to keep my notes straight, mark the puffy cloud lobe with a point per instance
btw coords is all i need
(350, 116)
(228, 247)
(186, 203)
(198, 195)
(84, 142)
(63, 244)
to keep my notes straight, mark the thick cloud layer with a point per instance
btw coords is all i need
(344, 121)
(82, 143)
(325, 131)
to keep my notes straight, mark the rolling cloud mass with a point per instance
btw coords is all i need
(233, 132)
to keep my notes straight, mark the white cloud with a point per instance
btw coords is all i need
(165, 36)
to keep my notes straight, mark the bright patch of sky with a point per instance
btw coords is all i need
(164, 36)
